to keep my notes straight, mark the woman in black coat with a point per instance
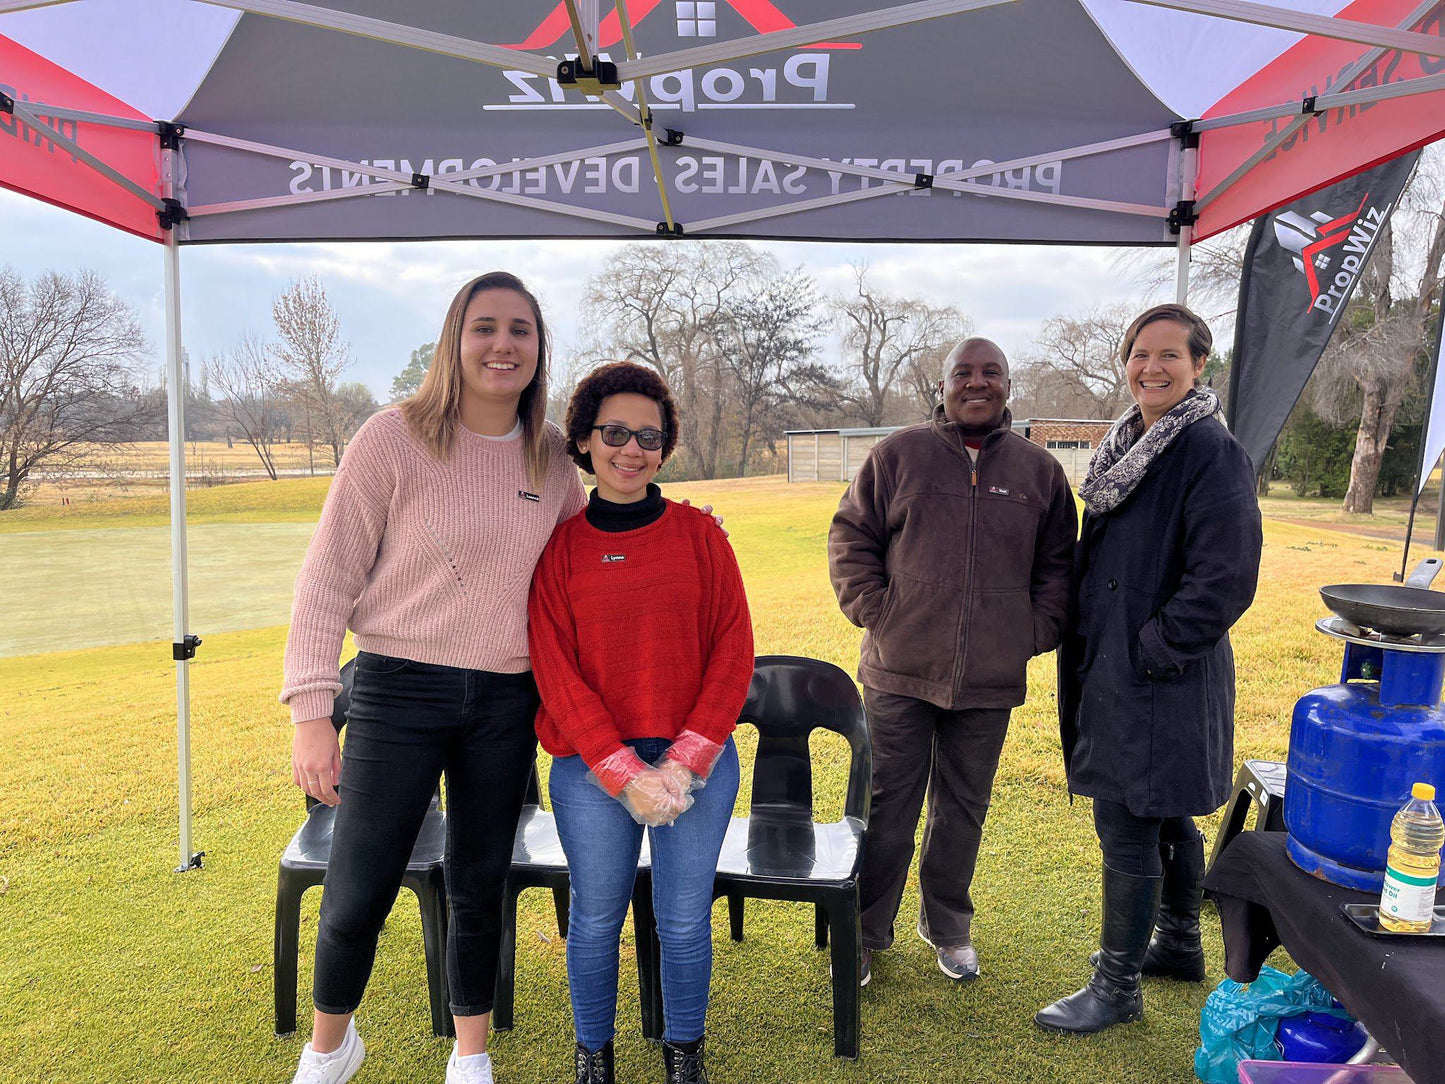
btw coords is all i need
(1167, 562)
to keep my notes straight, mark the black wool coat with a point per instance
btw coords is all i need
(1146, 672)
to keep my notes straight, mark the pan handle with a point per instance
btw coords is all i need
(1425, 573)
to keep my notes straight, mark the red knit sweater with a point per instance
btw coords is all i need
(638, 634)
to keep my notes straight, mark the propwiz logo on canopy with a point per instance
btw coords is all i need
(800, 82)
(1331, 252)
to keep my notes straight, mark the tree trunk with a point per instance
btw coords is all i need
(1377, 415)
(11, 496)
(747, 439)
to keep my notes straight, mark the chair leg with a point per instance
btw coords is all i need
(735, 915)
(562, 905)
(1231, 824)
(502, 1002)
(820, 927)
(285, 949)
(845, 926)
(431, 898)
(649, 959)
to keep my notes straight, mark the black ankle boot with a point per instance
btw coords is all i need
(594, 1066)
(1113, 995)
(1176, 951)
(684, 1062)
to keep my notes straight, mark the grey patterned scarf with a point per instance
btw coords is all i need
(1128, 449)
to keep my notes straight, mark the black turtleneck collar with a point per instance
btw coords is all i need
(611, 517)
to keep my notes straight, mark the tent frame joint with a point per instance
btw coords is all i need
(1183, 130)
(170, 214)
(192, 863)
(923, 180)
(170, 134)
(7, 103)
(420, 181)
(671, 232)
(1182, 214)
(185, 649)
(594, 81)
(671, 137)
(1308, 106)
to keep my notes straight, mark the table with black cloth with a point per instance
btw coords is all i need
(1395, 986)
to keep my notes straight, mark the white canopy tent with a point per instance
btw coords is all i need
(1123, 122)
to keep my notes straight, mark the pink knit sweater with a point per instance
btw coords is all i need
(423, 559)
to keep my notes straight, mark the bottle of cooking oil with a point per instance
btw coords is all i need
(1413, 865)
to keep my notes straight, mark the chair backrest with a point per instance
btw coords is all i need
(343, 698)
(788, 699)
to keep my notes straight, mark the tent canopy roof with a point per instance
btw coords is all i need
(1006, 120)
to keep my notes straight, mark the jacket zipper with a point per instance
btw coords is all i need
(968, 568)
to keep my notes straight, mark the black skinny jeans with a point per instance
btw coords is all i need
(1131, 844)
(408, 723)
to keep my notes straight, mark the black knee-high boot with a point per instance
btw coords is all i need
(1176, 951)
(1113, 995)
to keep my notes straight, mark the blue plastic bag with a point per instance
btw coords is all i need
(1239, 1021)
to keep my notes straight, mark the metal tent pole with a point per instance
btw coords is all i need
(1188, 169)
(183, 648)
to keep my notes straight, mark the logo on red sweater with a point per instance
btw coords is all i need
(613, 558)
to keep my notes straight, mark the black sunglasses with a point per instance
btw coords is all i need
(616, 436)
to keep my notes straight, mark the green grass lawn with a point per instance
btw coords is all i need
(112, 968)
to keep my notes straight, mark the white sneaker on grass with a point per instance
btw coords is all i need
(337, 1067)
(472, 1069)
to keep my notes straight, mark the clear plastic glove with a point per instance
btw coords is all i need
(655, 798)
(689, 760)
(651, 796)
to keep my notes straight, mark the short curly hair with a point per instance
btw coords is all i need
(617, 378)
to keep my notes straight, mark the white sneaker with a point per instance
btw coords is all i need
(337, 1067)
(476, 1070)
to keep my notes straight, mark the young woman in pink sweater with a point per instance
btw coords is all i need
(425, 550)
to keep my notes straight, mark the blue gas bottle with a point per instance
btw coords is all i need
(1356, 748)
(1319, 1037)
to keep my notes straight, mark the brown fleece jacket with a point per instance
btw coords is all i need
(959, 571)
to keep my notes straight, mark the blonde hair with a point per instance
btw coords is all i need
(434, 412)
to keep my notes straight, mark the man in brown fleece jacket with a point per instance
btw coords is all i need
(953, 548)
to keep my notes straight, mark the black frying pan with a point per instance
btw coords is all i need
(1392, 609)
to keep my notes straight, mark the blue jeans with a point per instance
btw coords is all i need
(603, 842)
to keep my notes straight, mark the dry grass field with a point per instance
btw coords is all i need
(118, 470)
(112, 968)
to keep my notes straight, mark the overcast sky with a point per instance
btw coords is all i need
(391, 296)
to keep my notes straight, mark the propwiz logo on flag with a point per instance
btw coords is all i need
(1303, 262)
(1331, 252)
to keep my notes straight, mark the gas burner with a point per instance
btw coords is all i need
(1338, 627)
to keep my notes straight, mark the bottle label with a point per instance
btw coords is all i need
(1408, 897)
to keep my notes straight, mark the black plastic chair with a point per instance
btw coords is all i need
(539, 862)
(778, 852)
(1259, 783)
(303, 866)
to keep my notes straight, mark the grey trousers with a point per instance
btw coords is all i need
(952, 755)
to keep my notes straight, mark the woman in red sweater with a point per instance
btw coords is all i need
(643, 652)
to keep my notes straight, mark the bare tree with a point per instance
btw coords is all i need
(245, 391)
(1074, 369)
(884, 336)
(313, 356)
(661, 305)
(768, 338)
(68, 355)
